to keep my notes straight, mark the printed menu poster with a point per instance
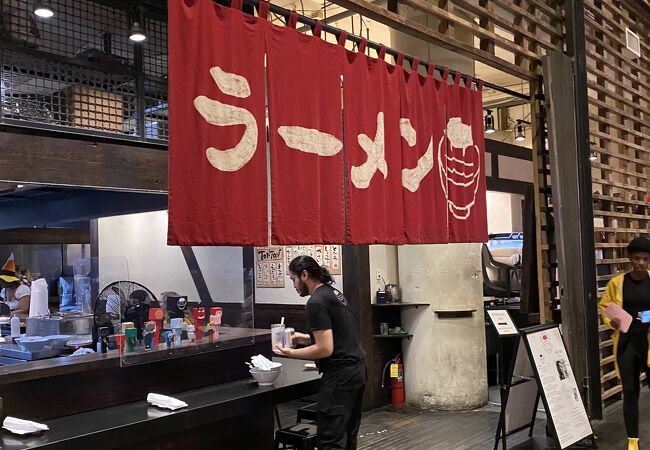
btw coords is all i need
(502, 322)
(269, 267)
(326, 255)
(559, 386)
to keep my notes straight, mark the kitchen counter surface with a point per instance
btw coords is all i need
(65, 365)
(127, 424)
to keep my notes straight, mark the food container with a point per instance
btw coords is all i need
(266, 377)
(57, 341)
(32, 343)
(278, 335)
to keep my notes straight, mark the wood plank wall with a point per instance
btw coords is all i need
(619, 119)
(509, 34)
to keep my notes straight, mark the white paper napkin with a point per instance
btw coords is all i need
(263, 363)
(20, 426)
(163, 401)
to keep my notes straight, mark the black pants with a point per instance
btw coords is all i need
(632, 357)
(339, 408)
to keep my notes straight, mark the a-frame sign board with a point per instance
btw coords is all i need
(519, 392)
(557, 385)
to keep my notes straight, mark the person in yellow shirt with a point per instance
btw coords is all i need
(631, 291)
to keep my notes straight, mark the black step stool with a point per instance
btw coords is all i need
(306, 413)
(301, 436)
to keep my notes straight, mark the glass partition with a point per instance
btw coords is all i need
(180, 324)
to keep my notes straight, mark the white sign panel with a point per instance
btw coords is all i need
(559, 386)
(502, 322)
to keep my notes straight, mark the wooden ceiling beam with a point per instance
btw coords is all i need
(417, 30)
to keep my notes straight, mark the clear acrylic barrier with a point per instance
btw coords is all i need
(188, 320)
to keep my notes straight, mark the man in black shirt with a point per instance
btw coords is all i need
(631, 291)
(334, 343)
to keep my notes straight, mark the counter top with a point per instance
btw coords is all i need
(64, 365)
(127, 424)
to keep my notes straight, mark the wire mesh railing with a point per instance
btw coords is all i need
(79, 72)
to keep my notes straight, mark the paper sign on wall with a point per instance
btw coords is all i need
(269, 267)
(328, 256)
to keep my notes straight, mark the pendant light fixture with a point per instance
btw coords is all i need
(43, 9)
(137, 32)
(520, 131)
(489, 122)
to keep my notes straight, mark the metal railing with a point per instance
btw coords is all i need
(78, 72)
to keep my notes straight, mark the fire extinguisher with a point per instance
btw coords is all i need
(396, 380)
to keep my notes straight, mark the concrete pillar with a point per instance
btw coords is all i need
(445, 362)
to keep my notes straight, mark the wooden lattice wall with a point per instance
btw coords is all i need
(619, 119)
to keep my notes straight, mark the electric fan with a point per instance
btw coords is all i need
(122, 301)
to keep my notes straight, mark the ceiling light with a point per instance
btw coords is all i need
(520, 134)
(137, 32)
(593, 156)
(43, 9)
(489, 122)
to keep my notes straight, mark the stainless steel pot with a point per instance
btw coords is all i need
(394, 292)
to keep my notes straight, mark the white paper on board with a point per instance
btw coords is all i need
(559, 386)
(502, 322)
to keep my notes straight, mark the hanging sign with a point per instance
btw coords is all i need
(361, 151)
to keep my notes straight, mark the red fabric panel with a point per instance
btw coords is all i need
(422, 106)
(374, 175)
(216, 197)
(306, 135)
(465, 166)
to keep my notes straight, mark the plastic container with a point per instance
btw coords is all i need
(15, 326)
(177, 327)
(278, 335)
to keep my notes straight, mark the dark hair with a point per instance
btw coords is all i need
(315, 271)
(638, 244)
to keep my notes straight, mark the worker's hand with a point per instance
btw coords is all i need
(300, 338)
(284, 351)
(615, 323)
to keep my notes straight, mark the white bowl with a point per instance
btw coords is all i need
(32, 343)
(266, 377)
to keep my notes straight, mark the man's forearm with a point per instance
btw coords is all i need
(309, 353)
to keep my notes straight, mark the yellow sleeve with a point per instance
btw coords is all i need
(607, 299)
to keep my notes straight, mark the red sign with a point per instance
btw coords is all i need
(361, 151)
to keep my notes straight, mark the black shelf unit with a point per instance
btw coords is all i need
(399, 305)
(393, 336)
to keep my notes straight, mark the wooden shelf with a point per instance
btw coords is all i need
(399, 305)
(455, 310)
(393, 336)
